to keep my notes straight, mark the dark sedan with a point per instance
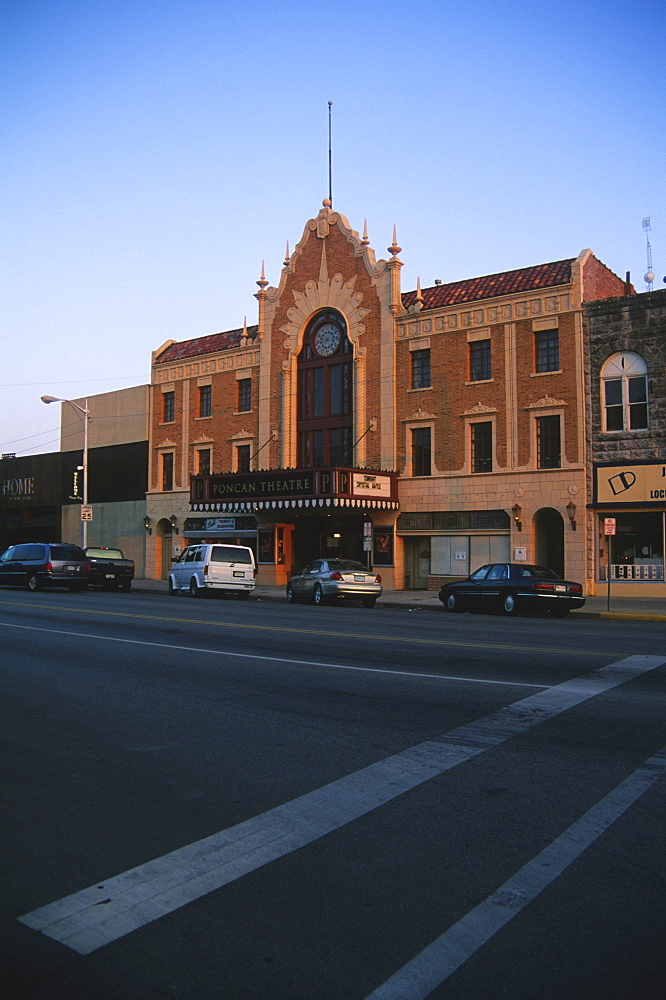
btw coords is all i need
(511, 588)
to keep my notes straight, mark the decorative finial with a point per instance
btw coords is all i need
(327, 202)
(395, 249)
(262, 280)
(365, 241)
(418, 301)
(286, 255)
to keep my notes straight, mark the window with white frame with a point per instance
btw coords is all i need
(242, 458)
(421, 368)
(482, 446)
(167, 471)
(546, 350)
(422, 451)
(203, 461)
(168, 407)
(205, 401)
(548, 441)
(624, 392)
(480, 368)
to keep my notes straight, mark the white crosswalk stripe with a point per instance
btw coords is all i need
(106, 911)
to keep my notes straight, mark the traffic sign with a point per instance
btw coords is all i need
(609, 525)
(86, 513)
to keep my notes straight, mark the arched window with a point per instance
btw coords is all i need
(325, 405)
(624, 392)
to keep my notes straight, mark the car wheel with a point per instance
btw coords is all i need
(172, 590)
(560, 612)
(452, 603)
(243, 595)
(125, 587)
(318, 595)
(195, 590)
(509, 605)
(291, 596)
(369, 602)
(32, 582)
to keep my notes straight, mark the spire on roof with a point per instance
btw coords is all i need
(262, 280)
(394, 249)
(365, 241)
(286, 255)
(418, 301)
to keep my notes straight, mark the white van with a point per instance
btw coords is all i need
(214, 567)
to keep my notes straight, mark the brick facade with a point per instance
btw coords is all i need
(332, 268)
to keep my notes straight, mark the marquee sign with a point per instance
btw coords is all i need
(294, 488)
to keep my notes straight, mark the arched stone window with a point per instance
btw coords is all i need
(624, 399)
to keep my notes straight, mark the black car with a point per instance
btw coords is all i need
(45, 564)
(513, 587)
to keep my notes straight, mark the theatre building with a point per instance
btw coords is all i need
(626, 347)
(421, 432)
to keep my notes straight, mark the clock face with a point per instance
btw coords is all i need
(327, 339)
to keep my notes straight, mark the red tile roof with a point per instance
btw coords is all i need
(490, 286)
(204, 345)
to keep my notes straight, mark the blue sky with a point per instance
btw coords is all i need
(155, 152)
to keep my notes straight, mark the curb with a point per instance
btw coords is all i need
(407, 605)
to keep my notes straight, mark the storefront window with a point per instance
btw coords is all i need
(636, 551)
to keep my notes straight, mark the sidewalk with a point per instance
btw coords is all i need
(633, 608)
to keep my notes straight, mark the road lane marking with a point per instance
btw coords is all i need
(290, 630)
(114, 907)
(276, 659)
(438, 961)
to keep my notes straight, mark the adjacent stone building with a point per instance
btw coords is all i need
(625, 341)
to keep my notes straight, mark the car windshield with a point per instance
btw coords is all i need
(350, 565)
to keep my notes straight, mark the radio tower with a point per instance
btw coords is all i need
(649, 274)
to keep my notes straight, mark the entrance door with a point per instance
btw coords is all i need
(417, 563)
(164, 530)
(549, 533)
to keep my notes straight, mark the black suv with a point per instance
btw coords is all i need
(45, 564)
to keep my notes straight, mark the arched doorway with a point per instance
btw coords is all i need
(549, 539)
(164, 532)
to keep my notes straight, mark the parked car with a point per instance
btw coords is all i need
(329, 579)
(513, 587)
(109, 568)
(214, 567)
(44, 564)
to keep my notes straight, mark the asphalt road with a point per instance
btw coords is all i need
(220, 800)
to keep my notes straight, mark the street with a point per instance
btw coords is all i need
(221, 800)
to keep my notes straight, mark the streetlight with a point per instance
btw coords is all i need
(84, 413)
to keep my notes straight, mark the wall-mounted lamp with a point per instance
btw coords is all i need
(571, 511)
(146, 524)
(173, 521)
(336, 534)
(516, 511)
